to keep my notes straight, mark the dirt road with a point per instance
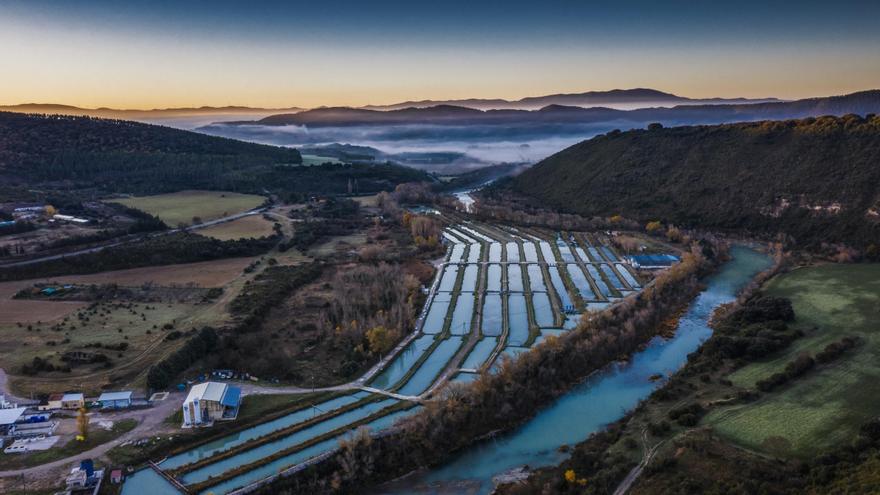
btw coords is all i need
(150, 422)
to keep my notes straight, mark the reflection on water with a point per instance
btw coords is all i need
(600, 400)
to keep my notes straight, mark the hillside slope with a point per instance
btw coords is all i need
(123, 156)
(815, 179)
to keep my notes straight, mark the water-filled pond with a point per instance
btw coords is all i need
(492, 315)
(536, 278)
(436, 317)
(609, 254)
(474, 253)
(543, 309)
(298, 457)
(599, 400)
(493, 278)
(530, 251)
(547, 253)
(291, 440)
(517, 320)
(480, 353)
(402, 363)
(462, 314)
(495, 252)
(457, 253)
(514, 278)
(565, 251)
(422, 379)
(582, 255)
(612, 276)
(447, 280)
(600, 282)
(559, 286)
(625, 273)
(512, 252)
(469, 280)
(580, 281)
(241, 437)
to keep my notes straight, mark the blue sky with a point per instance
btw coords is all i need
(154, 54)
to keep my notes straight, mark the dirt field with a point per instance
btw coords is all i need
(183, 206)
(338, 244)
(367, 201)
(251, 226)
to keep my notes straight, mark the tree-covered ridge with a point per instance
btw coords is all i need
(815, 179)
(123, 156)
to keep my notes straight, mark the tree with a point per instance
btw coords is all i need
(380, 339)
(50, 210)
(654, 226)
(82, 425)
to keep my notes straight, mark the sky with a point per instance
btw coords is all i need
(160, 54)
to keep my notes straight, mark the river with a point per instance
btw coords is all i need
(602, 399)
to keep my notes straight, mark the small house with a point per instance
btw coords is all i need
(116, 476)
(53, 403)
(210, 401)
(115, 400)
(73, 401)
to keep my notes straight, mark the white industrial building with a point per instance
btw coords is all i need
(210, 401)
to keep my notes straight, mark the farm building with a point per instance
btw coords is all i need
(210, 401)
(8, 418)
(52, 403)
(73, 401)
(115, 400)
(652, 261)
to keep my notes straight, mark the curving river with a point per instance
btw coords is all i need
(598, 401)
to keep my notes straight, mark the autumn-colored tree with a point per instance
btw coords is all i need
(82, 425)
(654, 226)
(616, 219)
(380, 339)
(673, 234)
(50, 210)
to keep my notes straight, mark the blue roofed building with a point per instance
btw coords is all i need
(210, 401)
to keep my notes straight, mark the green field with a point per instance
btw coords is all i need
(181, 207)
(826, 406)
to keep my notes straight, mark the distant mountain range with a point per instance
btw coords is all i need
(860, 103)
(174, 117)
(621, 99)
(617, 98)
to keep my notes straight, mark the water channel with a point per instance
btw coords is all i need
(598, 401)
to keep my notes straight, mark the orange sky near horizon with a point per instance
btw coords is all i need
(52, 59)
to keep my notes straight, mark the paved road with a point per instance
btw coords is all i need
(115, 243)
(151, 421)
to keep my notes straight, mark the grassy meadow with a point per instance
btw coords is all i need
(181, 207)
(827, 405)
(243, 228)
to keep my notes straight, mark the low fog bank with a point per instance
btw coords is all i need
(476, 145)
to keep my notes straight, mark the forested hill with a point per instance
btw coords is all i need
(815, 179)
(116, 155)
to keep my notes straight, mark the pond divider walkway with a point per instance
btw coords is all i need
(170, 479)
(411, 398)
